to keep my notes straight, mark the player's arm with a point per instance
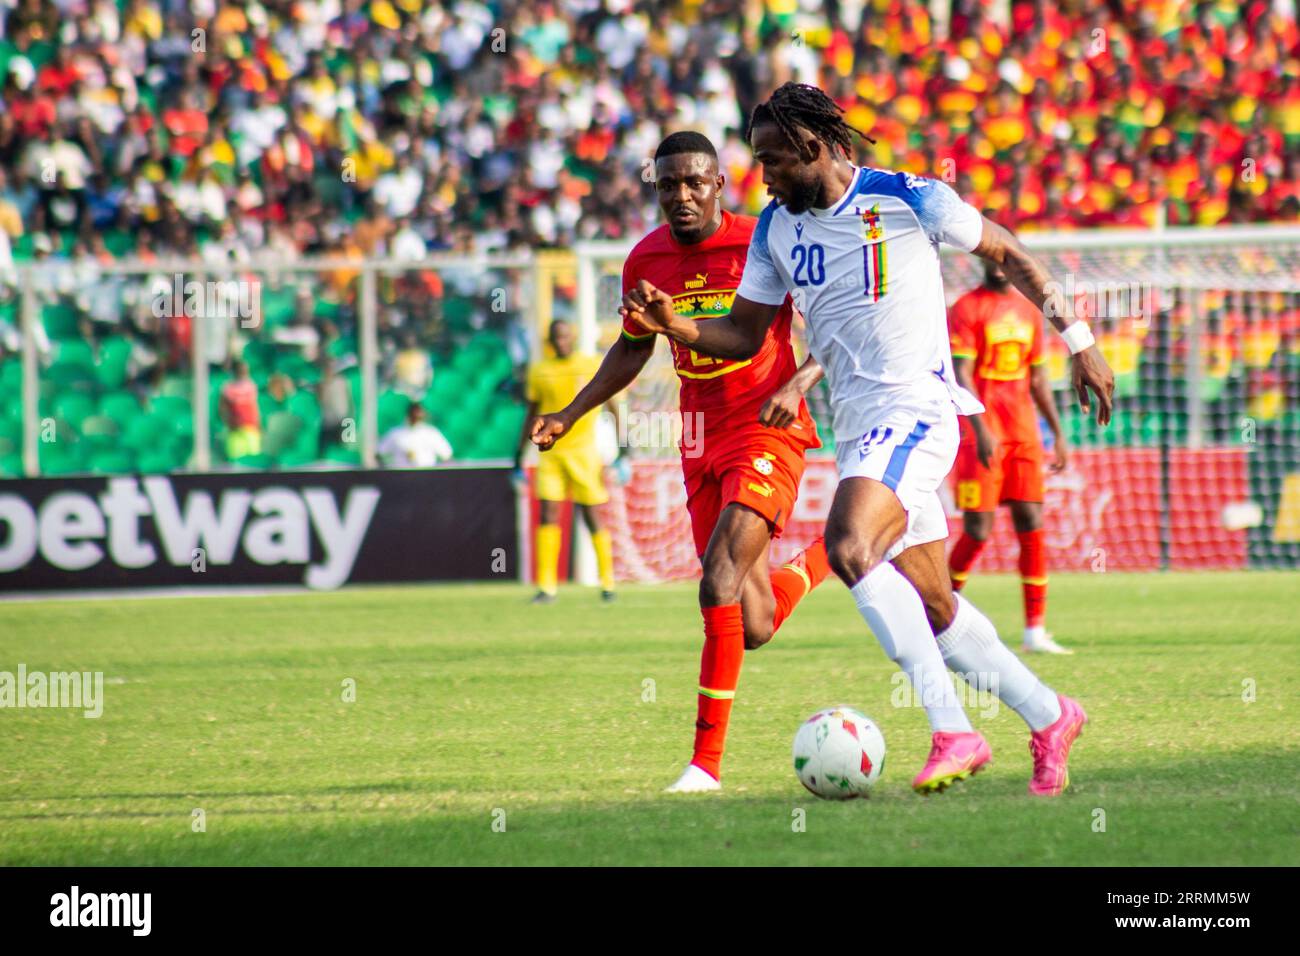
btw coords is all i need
(622, 364)
(1088, 369)
(1041, 390)
(986, 445)
(782, 409)
(737, 335)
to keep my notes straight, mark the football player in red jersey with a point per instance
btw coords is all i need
(742, 472)
(997, 353)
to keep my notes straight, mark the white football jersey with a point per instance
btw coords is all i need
(865, 275)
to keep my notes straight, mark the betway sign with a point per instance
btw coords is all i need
(319, 529)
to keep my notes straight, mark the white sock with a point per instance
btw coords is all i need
(971, 647)
(894, 612)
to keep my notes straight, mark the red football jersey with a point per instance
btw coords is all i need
(1002, 335)
(702, 279)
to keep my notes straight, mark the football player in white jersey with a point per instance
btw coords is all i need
(858, 250)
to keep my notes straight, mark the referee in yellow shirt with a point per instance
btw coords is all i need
(572, 470)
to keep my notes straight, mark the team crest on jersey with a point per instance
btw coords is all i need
(873, 227)
(763, 465)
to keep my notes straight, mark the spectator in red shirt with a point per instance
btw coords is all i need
(239, 411)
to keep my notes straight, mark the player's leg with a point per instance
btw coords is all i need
(1023, 492)
(765, 476)
(889, 480)
(969, 642)
(972, 649)
(866, 519)
(739, 538)
(587, 486)
(1027, 518)
(977, 492)
(547, 548)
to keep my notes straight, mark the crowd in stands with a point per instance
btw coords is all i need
(225, 130)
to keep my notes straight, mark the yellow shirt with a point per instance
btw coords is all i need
(553, 382)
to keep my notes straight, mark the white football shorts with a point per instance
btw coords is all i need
(910, 451)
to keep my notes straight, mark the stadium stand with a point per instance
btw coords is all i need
(223, 131)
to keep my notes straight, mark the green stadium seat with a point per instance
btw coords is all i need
(256, 462)
(11, 377)
(74, 352)
(392, 410)
(121, 407)
(60, 320)
(61, 458)
(458, 313)
(297, 457)
(159, 462)
(278, 305)
(343, 454)
(62, 377)
(304, 405)
(112, 461)
(146, 432)
(114, 356)
(74, 408)
(11, 466)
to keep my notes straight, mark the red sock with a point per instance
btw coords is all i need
(1033, 576)
(794, 581)
(964, 553)
(724, 649)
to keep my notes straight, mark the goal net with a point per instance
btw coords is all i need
(1199, 468)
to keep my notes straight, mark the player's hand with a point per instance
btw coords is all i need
(650, 308)
(1060, 457)
(1090, 373)
(986, 447)
(546, 430)
(782, 409)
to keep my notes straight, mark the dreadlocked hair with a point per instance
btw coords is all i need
(798, 104)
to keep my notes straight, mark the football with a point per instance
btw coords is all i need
(839, 753)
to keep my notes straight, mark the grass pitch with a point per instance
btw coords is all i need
(487, 731)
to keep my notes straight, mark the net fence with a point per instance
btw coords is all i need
(1200, 466)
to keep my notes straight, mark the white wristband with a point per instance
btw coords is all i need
(1078, 337)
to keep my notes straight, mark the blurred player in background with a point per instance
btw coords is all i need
(753, 429)
(574, 472)
(417, 444)
(997, 353)
(860, 249)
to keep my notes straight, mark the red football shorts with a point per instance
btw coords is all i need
(1016, 474)
(758, 467)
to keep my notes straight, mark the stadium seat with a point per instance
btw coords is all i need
(392, 410)
(112, 461)
(60, 320)
(343, 454)
(121, 407)
(74, 408)
(114, 352)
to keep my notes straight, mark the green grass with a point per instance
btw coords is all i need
(469, 702)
